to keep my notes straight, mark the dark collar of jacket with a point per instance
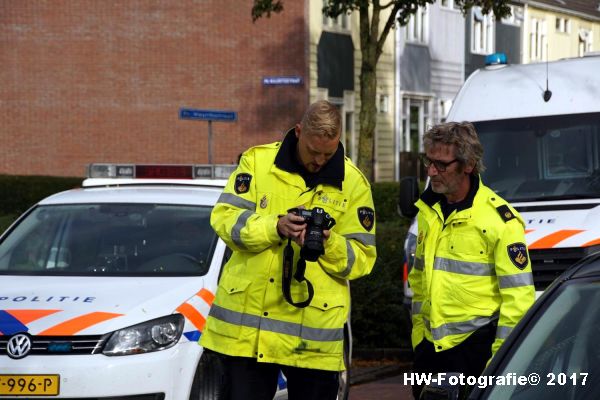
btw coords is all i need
(331, 174)
(430, 198)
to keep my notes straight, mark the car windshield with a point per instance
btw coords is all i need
(543, 158)
(110, 239)
(561, 347)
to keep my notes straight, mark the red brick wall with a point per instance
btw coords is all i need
(86, 81)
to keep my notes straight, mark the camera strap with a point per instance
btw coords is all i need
(288, 267)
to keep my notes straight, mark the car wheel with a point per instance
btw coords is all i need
(209, 380)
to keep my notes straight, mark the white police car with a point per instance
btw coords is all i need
(104, 290)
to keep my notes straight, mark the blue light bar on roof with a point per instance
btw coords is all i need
(495, 59)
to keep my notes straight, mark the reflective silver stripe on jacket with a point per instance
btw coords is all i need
(367, 239)
(236, 232)
(271, 325)
(418, 265)
(236, 201)
(427, 324)
(351, 259)
(503, 331)
(463, 267)
(416, 307)
(456, 328)
(516, 280)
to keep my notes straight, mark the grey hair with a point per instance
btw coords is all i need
(322, 118)
(463, 136)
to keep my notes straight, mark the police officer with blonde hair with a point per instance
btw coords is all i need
(471, 278)
(299, 217)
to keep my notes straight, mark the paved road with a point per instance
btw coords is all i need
(390, 388)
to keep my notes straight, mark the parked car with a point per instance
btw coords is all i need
(104, 290)
(553, 352)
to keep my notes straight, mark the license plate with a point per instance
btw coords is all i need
(29, 385)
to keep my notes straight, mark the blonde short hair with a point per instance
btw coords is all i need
(322, 118)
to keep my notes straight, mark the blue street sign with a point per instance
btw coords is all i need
(208, 115)
(282, 80)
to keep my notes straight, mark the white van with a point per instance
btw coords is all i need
(540, 128)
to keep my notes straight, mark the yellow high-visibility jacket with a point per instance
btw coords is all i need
(250, 317)
(470, 270)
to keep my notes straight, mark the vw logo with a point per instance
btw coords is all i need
(18, 346)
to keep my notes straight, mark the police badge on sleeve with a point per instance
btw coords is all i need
(517, 252)
(242, 183)
(366, 217)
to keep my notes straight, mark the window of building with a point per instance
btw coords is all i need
(449, 4)
(417, 27)
(340, 23)
(563, 25)
(515, 17)
(585, 41)
(538, 40)
(416, 119)
(350, 139)
(482, 35)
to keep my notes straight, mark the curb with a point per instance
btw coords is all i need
(373, 364)
(372, 374)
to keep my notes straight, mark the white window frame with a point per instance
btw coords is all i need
(349, 135)
(482, 32)
(424, 104)
(515, 18)
(585, 42)
(342, 23)
(417, 28)
(563, 25)
(449, 4)
(538, 40)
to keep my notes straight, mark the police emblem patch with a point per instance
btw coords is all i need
(366, 217)
(242, 183)
(517, 252)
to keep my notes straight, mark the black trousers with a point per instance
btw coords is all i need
(248, 379)
(469, 357)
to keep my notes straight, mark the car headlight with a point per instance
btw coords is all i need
(158, 334)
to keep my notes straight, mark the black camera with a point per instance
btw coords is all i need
(317, 220)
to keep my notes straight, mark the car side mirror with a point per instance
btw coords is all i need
(443, 390)
(409, 194)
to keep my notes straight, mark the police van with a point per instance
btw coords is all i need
(105, 289)
(539, 125)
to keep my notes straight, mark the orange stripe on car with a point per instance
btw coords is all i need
(193, 315)
(74, 325)
(554, 238)
(207, 296)
(27, 316)
(591, 243)
(529, 230)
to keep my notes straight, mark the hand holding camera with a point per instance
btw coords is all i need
(315, 223)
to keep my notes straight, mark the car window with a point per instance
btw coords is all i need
(110, 239)
(561, 347)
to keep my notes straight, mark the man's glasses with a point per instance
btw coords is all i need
(440, 166)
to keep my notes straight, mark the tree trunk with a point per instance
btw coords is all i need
(367, 116)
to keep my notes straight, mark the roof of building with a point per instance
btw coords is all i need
(582, 8)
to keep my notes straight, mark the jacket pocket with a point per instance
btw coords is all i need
(232, 295)
(473, 246)
(468, 299)
(326, 316)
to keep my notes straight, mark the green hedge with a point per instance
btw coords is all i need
(18, 193)
(378, 317)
